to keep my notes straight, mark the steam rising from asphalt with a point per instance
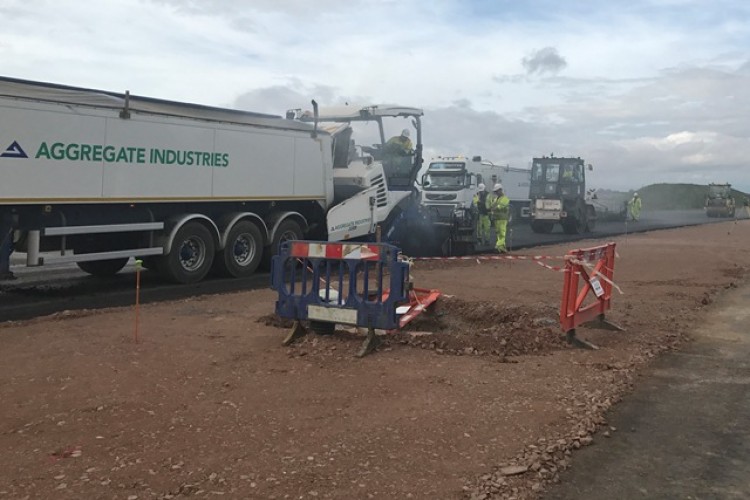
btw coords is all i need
(418, 236)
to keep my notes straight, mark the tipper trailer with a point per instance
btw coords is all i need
(99, 177)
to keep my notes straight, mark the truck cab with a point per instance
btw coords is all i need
(448, 186)
(558, 195)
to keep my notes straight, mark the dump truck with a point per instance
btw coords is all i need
(558, 195)
(719, 200)
(96, 177)
(447, 190)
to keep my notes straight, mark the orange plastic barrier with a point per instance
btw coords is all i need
(419, 300)
(587, 289)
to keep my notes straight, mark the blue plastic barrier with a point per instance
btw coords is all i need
(358, 284)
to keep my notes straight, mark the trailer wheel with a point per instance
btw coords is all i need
(287, 231)
(191, 256)
(243, 251)
(542, 226)
(103, 268)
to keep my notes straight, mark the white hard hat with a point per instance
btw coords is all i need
(497, 187)
(481, 187)
(635, 194)
(405, 132)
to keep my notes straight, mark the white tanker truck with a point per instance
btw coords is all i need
(95, 178)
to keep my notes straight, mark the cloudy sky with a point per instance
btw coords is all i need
(645, 90)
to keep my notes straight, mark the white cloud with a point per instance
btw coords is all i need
(636, 82)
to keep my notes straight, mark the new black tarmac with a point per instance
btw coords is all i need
(685, 431)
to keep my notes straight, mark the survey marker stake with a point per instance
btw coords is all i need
(138, 265)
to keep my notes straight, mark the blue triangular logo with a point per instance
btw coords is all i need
(14, 151)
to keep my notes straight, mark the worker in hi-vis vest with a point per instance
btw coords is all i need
(481, 205)
(635, 207)
(400, 145)
(500, 213)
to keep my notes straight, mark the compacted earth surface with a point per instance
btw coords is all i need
(479, 399)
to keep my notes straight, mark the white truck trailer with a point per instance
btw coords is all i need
(99, 177)
(447, 192)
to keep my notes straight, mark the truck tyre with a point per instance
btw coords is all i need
(191, 256)
(590, 219)
(103, 268)
(574, 226)
(542, 226)
(287, 231)
(242, 253)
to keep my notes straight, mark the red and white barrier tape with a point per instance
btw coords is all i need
(588, 256)
(584, 261)
(560, 269)
(588, 266)
(492, 257)
(537, 259)
(599, 275)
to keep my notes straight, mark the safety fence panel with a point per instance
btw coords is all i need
(350, 283)
(587, 288)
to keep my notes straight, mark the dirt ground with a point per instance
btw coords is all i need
(481, 400)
